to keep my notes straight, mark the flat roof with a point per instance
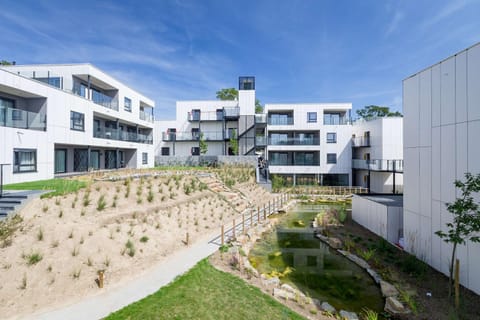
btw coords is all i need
(390, 200)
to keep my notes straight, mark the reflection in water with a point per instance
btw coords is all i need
(298, 258)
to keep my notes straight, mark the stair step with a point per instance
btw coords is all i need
(5, 208)
(12, 196)
(3, 214)
(2, 201)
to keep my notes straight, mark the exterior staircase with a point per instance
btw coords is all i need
(12, 201)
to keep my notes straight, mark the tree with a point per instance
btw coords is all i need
(203, 145)
(466, 218)
(258, 106)
(373, 111)
(234, 142)
(6, 63)
(227, 94)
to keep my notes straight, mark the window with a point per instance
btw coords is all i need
(24, 160)
(195, 133)
(165, 151)
(311, 117)
(144, 158)
(331, 137)
(17, 115)
(127, 105)
(53, 81)
(195, 151)
(331, 158)
(77, 121)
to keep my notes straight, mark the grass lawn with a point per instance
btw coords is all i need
(61, 186)
(206, 293)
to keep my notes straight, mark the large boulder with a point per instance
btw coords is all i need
(279, 293)
(388, 290)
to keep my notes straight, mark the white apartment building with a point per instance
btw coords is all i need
(442, 125)
(377, 154)
(57, 120)
(215, 121)
(309, 143)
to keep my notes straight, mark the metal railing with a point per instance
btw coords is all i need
(146, 116)
(117, 134)
(378, 165)
(22, 119)
(361, 142)
(233, 112)
(294, 141)
(280, 121)
(261, 141)
(192, 136)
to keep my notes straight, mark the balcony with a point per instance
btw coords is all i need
(192, 136)
(146, 116)
(104, 100)
(294, 141)
(280, 121)
(231, 113)
(297, 158)
(22, 119)
(260, 141)
(121, 135)
(261, 118)
(378, 165)
(360, 142)
(336, 119)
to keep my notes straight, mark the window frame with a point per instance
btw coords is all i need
(144, 157)
(73, 125)
(165, 151)
(329, 161)
(16, 160)
(311, 120)
(330, 140)
(195, 151)
(125, 99)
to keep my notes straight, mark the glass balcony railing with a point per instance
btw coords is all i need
(280, 121)
(192, 136)
(22, 119)
(146, 116)
(361, 142)
(117, 134)
(231, 112)
(261, 118)
(294, 141)
(378, 165)
(261, 141)
(104, 100)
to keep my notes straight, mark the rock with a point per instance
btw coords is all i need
(388, 290)
(325, 306)
(394, 307)
(348, 315)
(248, 267)
(335, 243)
(359, 261)
(272, 282)
(376, 277)
(317, 303)
(288, 288)
(279, 293)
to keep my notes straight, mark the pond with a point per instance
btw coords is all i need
(292, 253)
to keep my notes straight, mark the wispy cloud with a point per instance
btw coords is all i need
(394, 23)
(448, 10)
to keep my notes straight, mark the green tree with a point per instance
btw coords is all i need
(258, 106)
(203, 145)
(466, 218)
(234, 142)
(373, 111)
(5, 63)
(227, 94)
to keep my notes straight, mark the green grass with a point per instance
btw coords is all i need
(206, 293)
(60, 186)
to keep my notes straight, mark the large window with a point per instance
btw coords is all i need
(24, 160)
(60, 160)
(144, 158)
(311, 117)
(331, 137)
(331, 158)
(127, 105)
(53, 81)
(77, 121)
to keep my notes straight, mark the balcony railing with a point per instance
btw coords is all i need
(261, 118)
(378, 165)
(294, 141)
(192, 136)
(231, 112)
(146, 116)
(260, 141)
(361, 142)
(280, 121)
(294, 163)
(332, 120)
(117, 134)
(22, 119)
(104, 100)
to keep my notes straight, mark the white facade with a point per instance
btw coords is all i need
(310, 142)
(377, 144)
(70, 118)
(442, 125)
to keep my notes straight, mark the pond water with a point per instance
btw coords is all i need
(292, 253)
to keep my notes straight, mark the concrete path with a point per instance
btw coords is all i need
(99, 306)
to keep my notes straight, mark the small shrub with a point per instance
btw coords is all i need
(76, 274)
(60, 214)
(107, 261)
(101, 203)
(70, 235)
(54, 244)
(368, 314)
(82, 213)
(150, 196)
(33, 258)
(75, 251)
(409, 300)
(130, 248)
(89, 262)
(57, 201)
(366, 254)
(45, 208)
(23, 284)
(144, 239)
(40, 235)
(49, 268)
(139, 200)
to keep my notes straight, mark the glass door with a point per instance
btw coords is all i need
(95, 159)
(60, 160)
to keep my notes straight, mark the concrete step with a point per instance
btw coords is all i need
(6, 208)
(9, 201)
(12, 196)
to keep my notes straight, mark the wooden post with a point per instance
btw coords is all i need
(258, 215)
(269, 209)
(243, 223)
(457, 285)
(100, 278)
(233, 229)
(222, 236)
(264, 214)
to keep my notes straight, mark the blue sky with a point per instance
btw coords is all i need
(298, 50)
